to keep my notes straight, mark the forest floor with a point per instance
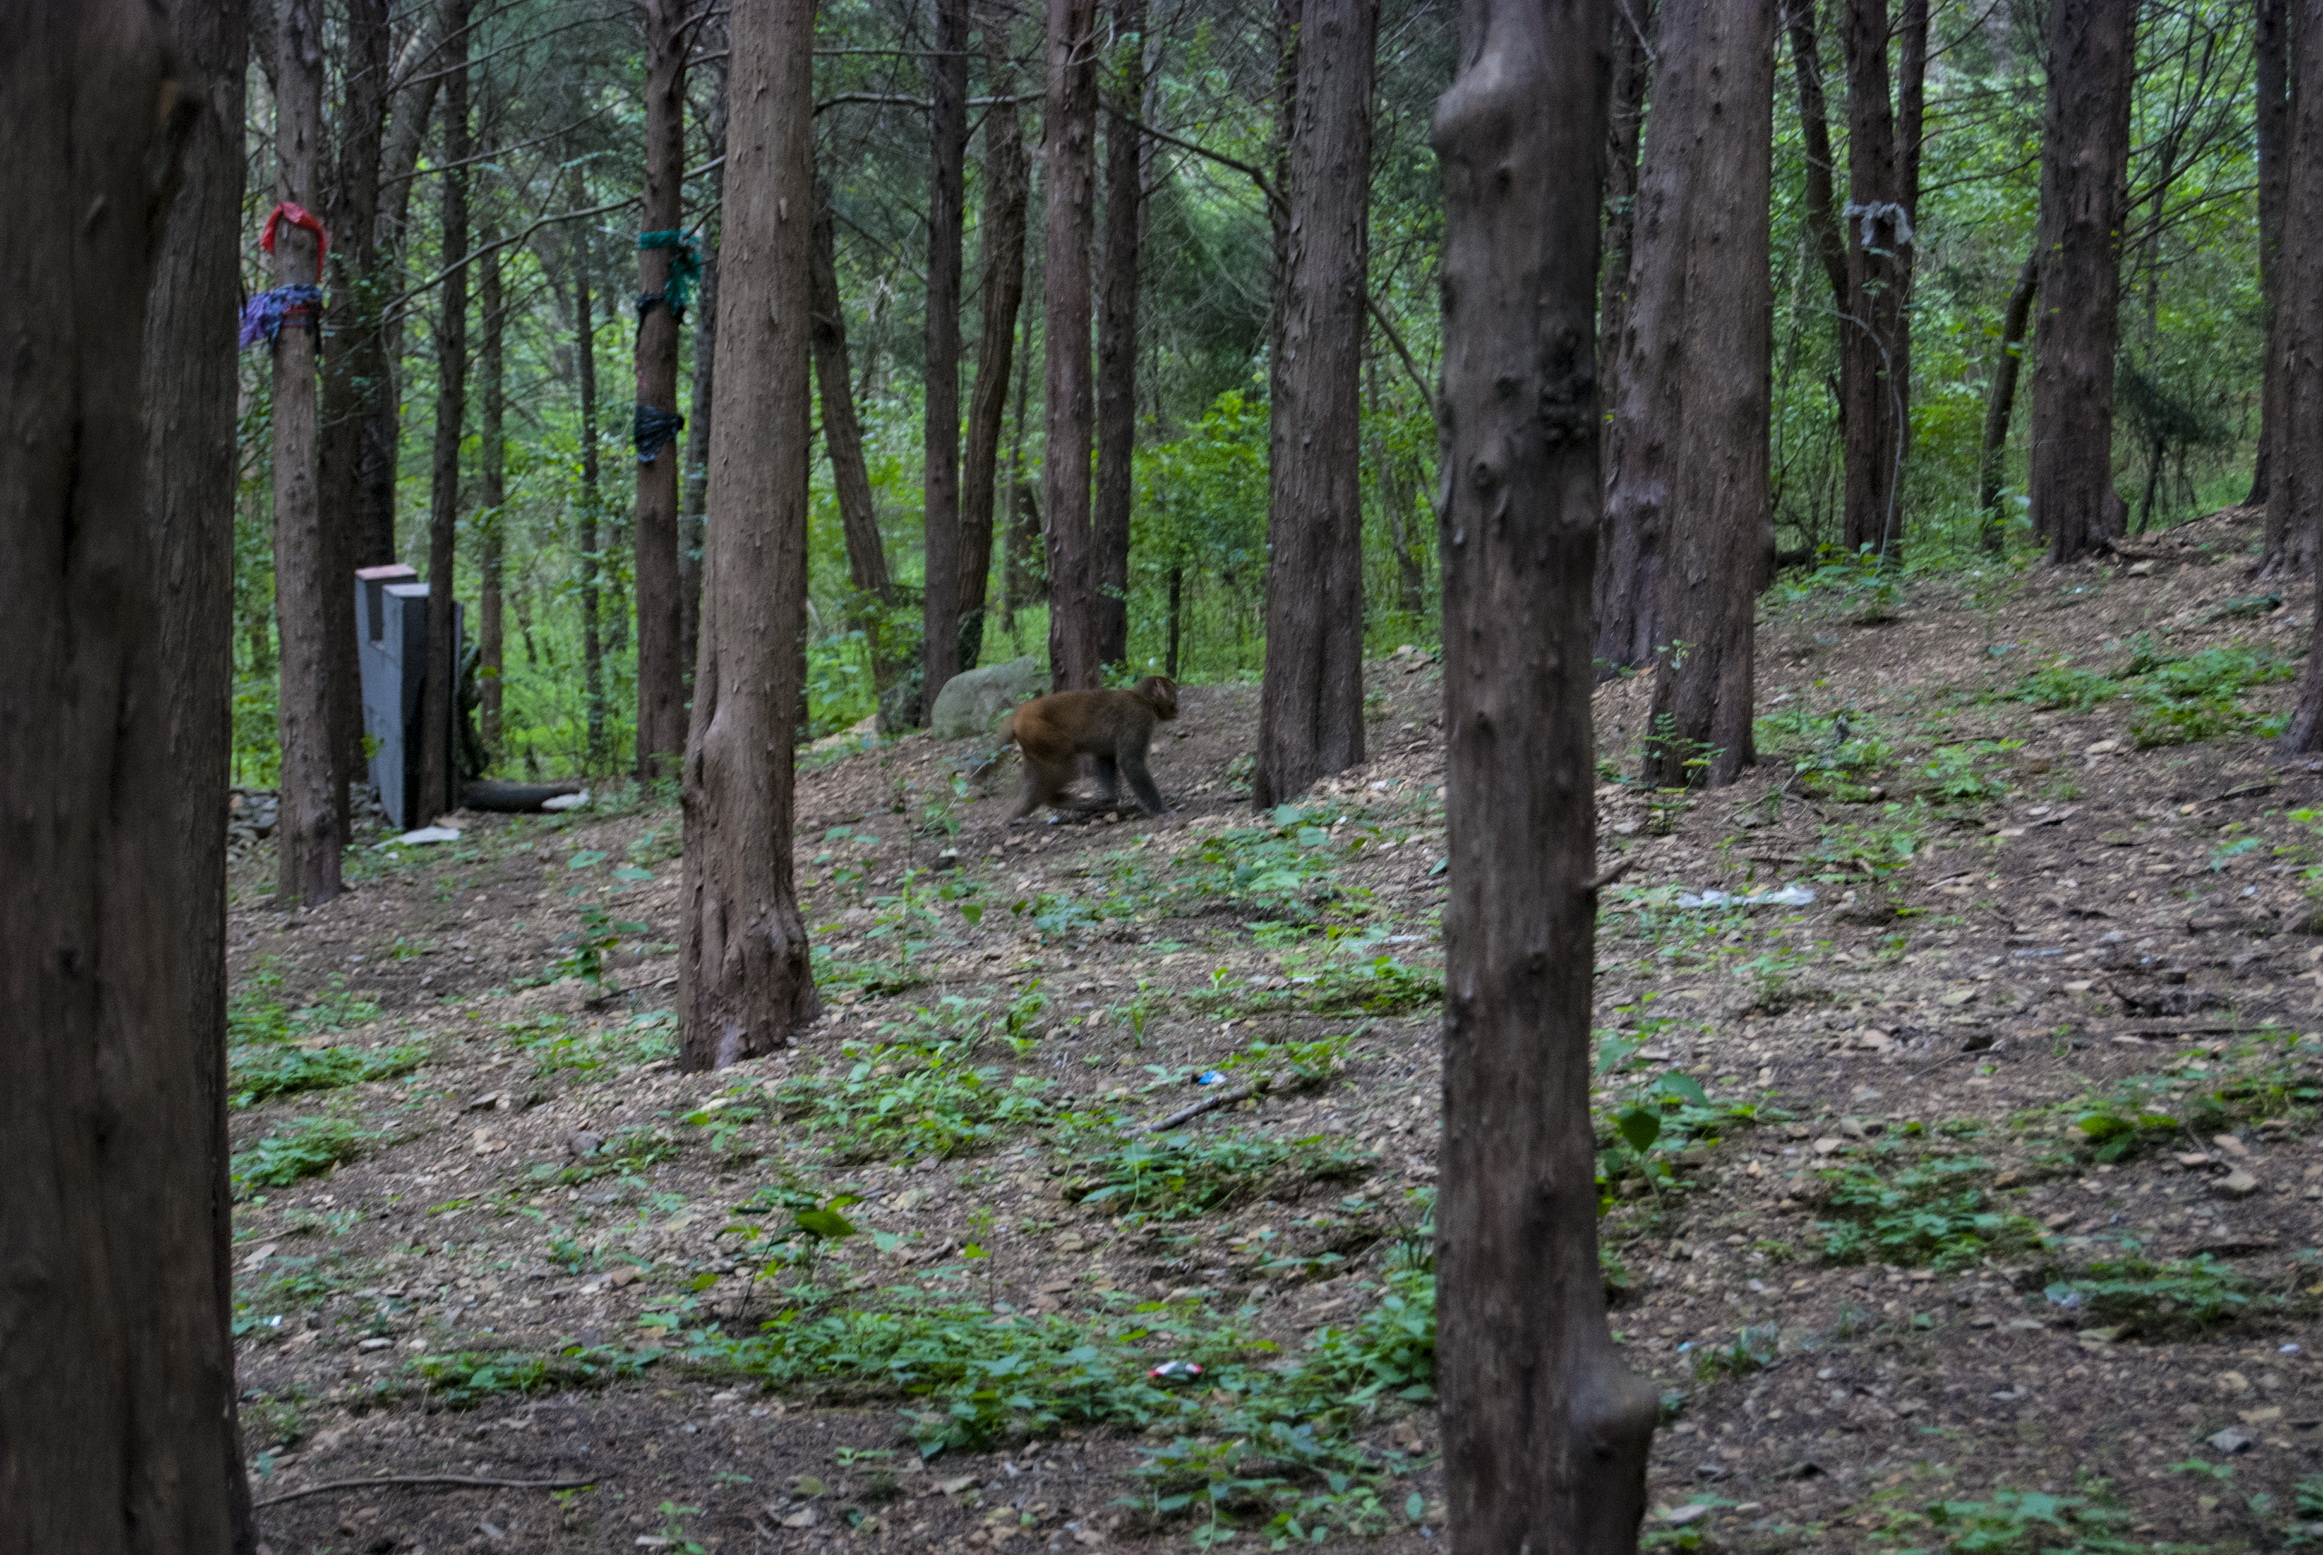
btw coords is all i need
(1972, 1204)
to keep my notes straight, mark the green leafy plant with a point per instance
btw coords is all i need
(303, 1147)
(1937, 1211)
(2151, 1296)
(1175, 1176)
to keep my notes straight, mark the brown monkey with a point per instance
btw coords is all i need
(1113, 726)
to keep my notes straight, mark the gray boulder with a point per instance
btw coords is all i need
(971, 703)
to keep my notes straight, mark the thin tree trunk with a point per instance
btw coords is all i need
(1117, 326)
(1545, 1433)
(592, 633)
(2084, 171)
(661, 680)
(1634, 22)
(1396, 493)
(743, 979)
(2298, 472)
(697, 477)
(941, 597)
(188, 391)
(850, 475)
(1697, 381)
(307, 835)
(1815, 133)
(1021, 566)
(439, 760)
(492, 504)
(1076, 662)
(2000, 401)
(117, 1393)
(2270, 37)
(1310, 702)
(1177, 620)
(1006, 194)
(1874, 345)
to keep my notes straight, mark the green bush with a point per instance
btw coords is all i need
(303, 1147)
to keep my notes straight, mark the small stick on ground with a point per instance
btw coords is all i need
(1258, 1087)
(453, 1480)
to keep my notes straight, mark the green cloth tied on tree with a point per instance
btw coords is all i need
(685, 273)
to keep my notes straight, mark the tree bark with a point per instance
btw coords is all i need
(1874, 328)
(1696, 381)
(1634, 22)
(2000, 400)
(1545, 1434)
(307, 836)
(439, 773)
(492, 504)
(661, 688)
(1022, 569)
(117, 1392)
(188, 391)
(942, 595)
(586, 537)
(1117, 327)
(843, 444)
(1006, 193)
(743, 979)
(2271, 44)
(2298, 472)
(1815, 133)
(697, 476)
(1076, 660)
(1310, 706)
(2084, 172)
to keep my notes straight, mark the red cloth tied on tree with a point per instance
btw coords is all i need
(297, 216)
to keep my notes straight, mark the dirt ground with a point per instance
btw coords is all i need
(2001, 1185)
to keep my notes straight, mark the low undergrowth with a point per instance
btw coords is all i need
(1937, 1212)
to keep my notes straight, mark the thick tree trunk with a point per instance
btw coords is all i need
(439, 773)
(843, 445)
(2000, 400)
(188, 392)
(743, 978)
(1117, 326)
(1310, 703)
(492, 503)
(1696, 379)
(2084, 170)
(1545, 1434)
(352, 218)
(697, 477)
(1633, 57)
(117, 1392)
(2298, 472)
(1874, 337)
(1006, 194)
(1076, 661)
(591, 504)
(2271, 44)
(942, 597)
(661, 680)
(307, 837)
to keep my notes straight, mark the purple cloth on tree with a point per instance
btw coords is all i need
(263, 315)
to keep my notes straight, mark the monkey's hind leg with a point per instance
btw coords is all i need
(1149, 798)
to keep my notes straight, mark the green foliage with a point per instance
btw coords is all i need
(1936, 1212)
(303, 1147)
(1177, 1176)
(2019, 1522)
(596, 939)
(1835, 753)
(626, 1154)
(462, 1379)
(275, 1051)
(1753, 1349)
(2149, 1296)
(2174, 700)
(2190, 1104)
(912, 1099)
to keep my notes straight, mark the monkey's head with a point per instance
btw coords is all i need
(1160, 693)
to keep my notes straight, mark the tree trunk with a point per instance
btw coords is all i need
(1076, 660)
(1006, 194)
(942, 596)
(1697, 378)
(307, 837)
(1310, 703)
(439, 767)
(592, 632)
(1815, 134)
(1545, 1434)
(2298, 472)
(697, 478)
(1022, 569)
(1117, 327)
(843, 444)
(1397, 492)
(1874, 338)
(661, 680)
(117, 1392)
(2000, 401)
(2271, 45)
(492, 505)
(352, 218)
(743, 978)
(189, 391)
(1633, 56)
(1176, 620)
(2084, 170)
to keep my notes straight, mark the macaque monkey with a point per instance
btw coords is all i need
(1113, 726)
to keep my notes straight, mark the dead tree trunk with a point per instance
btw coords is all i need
(1310, 703)
(2000, 400)
(2271, 46)
(743, 979)
(117, 1393)
(941, 599)
(1874, 338)
(1545, 1433)
(843, 445)
(1696, 378)
(2084, 171)
(307, 837)
(2298, 472)
(492, 504)
(1117, 326)
(439, 771)
(664, 262)
(1005, 197)
(587, 540)
(1076, 661)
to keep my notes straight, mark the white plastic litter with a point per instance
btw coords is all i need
(430, 834)
(566, 801)
(1788, 896)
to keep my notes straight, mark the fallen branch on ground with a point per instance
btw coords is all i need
(453, 1480)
